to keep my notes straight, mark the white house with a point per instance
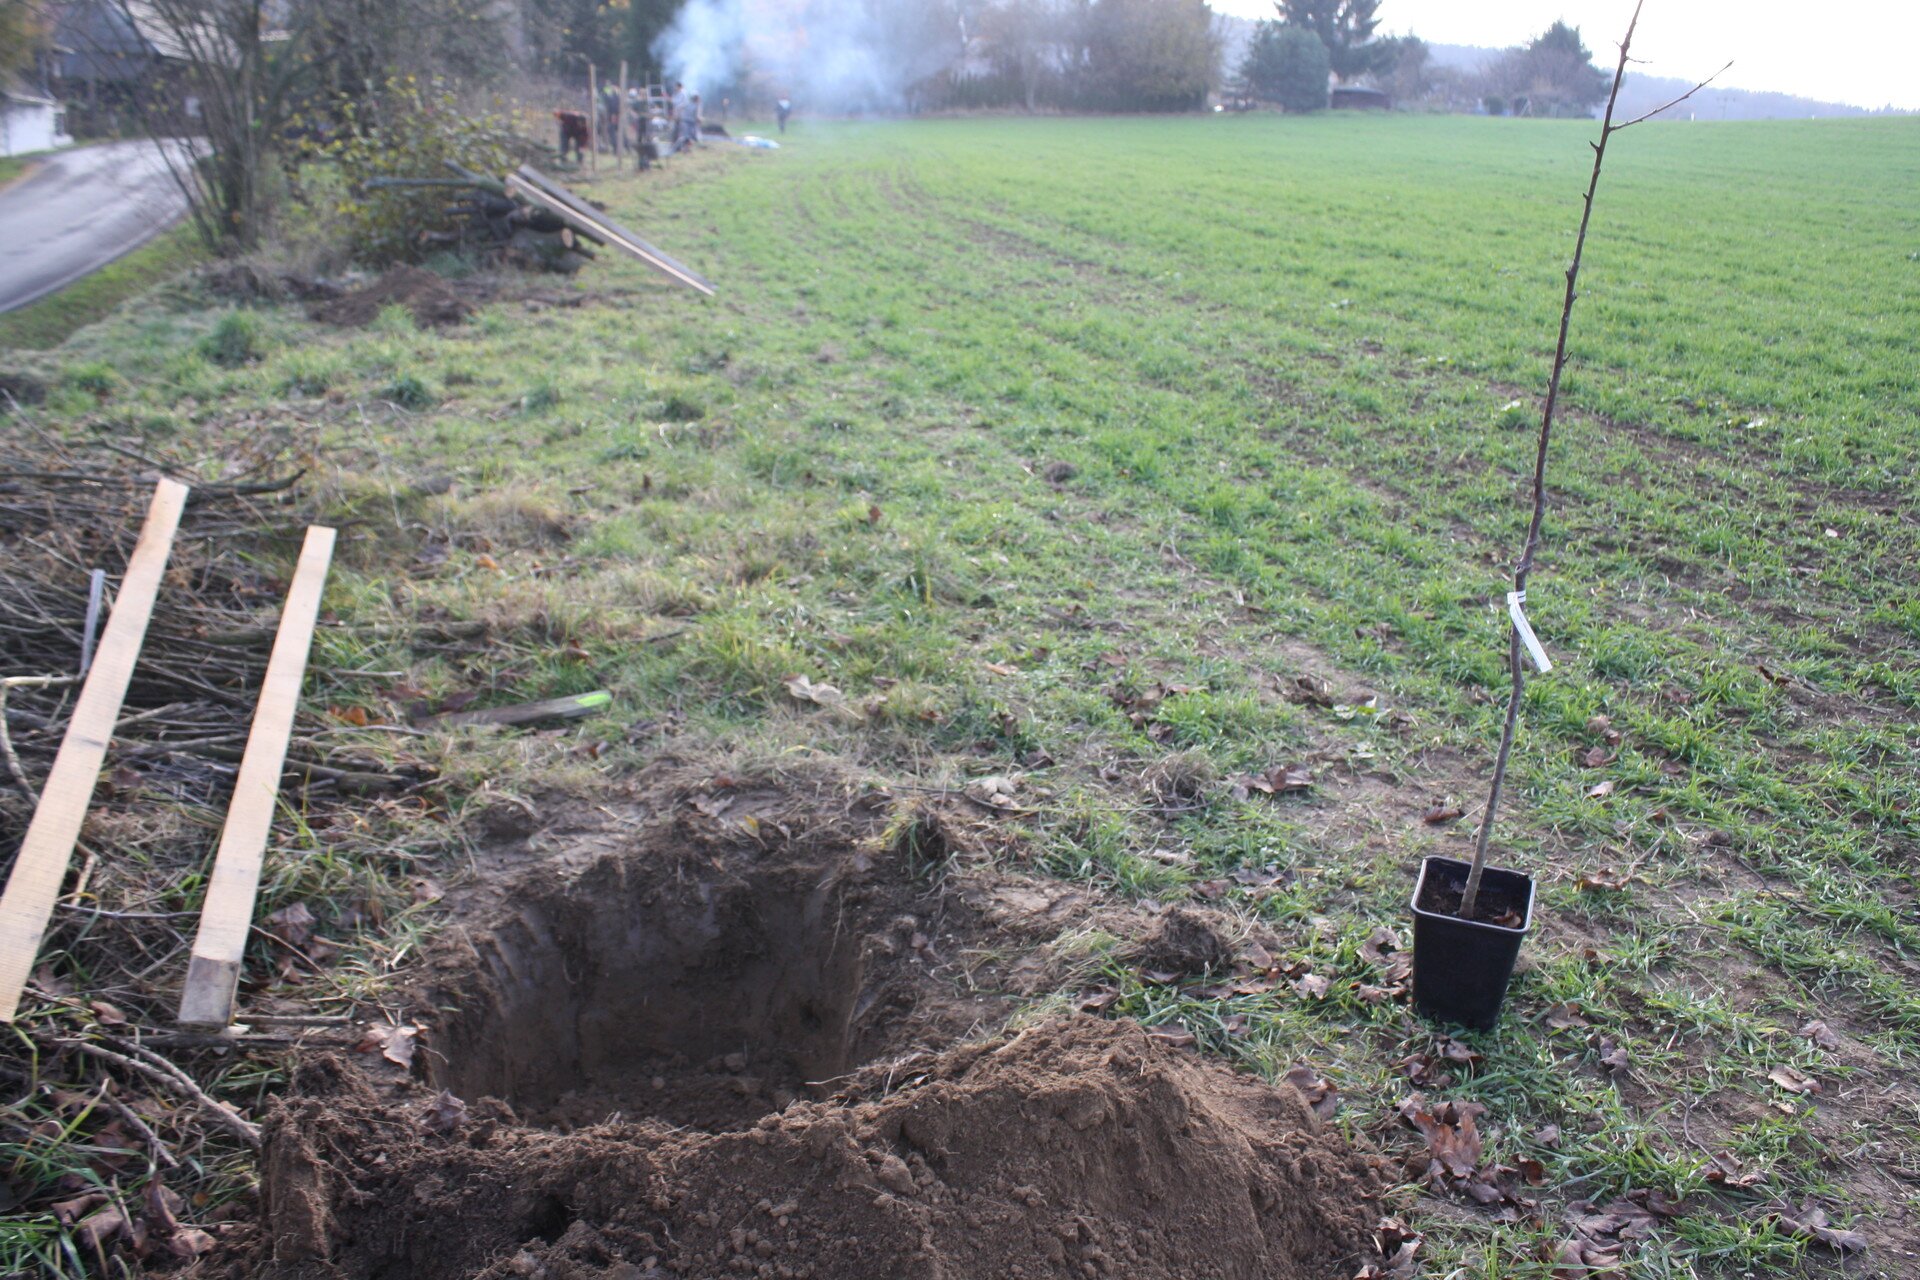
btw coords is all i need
(30, 122)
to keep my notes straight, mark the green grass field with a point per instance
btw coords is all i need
(1067, 447)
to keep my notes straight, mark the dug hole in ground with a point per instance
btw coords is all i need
(775, 1043)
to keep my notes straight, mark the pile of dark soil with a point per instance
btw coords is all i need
(431, 299)
(1076, 1148)
(724, 1046)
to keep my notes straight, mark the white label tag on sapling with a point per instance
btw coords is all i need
(1525, 629)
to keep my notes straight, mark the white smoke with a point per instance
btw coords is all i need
(828, 55)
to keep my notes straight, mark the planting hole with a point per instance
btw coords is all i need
(699, 996)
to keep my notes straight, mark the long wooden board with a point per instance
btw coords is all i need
(213, 975)
(46, 849)
(542, 190)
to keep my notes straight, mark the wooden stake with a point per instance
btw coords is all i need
(594, 132)
(620, 131)
(213, 975)
(34, 886)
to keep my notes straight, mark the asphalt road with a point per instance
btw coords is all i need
(79, 210)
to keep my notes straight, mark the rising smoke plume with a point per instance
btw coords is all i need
(828, 55)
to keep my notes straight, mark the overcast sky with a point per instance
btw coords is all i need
(1858, 51)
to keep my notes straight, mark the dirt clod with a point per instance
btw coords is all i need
(1186, 942)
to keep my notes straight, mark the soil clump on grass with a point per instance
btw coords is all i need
(432, 301)
(736, 1042)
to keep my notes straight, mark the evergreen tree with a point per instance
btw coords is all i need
(1287, 65)
(1345, 27)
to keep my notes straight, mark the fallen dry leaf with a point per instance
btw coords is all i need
(1612, 1056)
(292, 924)
(396, 1044)
(803, 689)
(1809, 1221)
(1442, 813)
(444, 1114)
(1600, 790)
(1794, 1080)
(1724, 1171)
(1313, 985)
(1315, 1088)
(1821, 1034)
(1564, 1017)
(1176, 1037)
(1602, 878)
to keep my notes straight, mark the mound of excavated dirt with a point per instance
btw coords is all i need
(1076, 1148)
(429, 297)
(721, 1043)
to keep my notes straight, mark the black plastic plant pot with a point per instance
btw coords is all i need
(1461, 967)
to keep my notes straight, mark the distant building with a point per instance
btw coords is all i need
(1356, 98)
(29, 122)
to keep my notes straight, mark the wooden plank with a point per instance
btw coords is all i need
(47, 847)
(576, 707)
(608, 232)
(558, 195)
(213, 974)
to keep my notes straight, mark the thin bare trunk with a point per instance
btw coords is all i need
(1516, 659)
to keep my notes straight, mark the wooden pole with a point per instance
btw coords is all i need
(47, 847)
(620, 133)
(213, 975)
(593, 118)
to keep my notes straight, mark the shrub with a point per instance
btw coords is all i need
(410, 129)
(238, 338)
(410, 391)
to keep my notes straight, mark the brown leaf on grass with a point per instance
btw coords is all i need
(1532, 1170)
(1380, 944)
(1565, 1017)
(68, 1212)
(1612, 1055)
(1602, 878)
(107, 1014)
(1422, 1069)
(1003, 668)
(1309, 689)
(1809, 1222)
(1370, 994)
(1724, 1171)
(1457, 1051)
(1174, 1037)
(161, 1206)
(1596, 757)
(1096, 1001)
(1314, 986)
(1600, 790)
(1398, 1244)
(1548, 1135)
(1315, 1088)
(1452, 1134)
(99, 1229)
(1820, 1033)
(1794, 1080)
(1288, 779)
(444, 1114)
(1442, 813)
(1579, 1259)
(994, 792)
(292, 924)
(188, 1243)
(802, 689)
